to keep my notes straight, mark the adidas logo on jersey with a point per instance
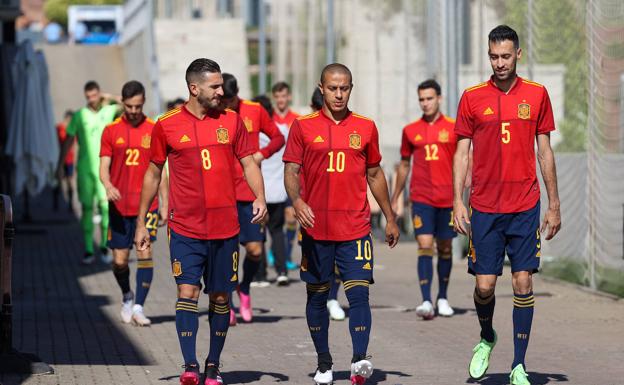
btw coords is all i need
(417, 138)
(488, 111)
(185, 139)
(120, 140)
(319, 139)
(367, 266)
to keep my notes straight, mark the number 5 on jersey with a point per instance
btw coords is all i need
(505, 133)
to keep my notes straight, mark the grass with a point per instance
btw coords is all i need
(607, 280)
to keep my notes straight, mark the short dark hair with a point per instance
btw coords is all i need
(230, 86)
(170, 105)
(280, 86)
(265, 102)
(430, 83)
(199, 67)
(91, 85)
(502, 33)
(131, 89)
(317, 99)
(68, 113)
(336, 67)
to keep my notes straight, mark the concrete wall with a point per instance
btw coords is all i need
(178, 43)
(71, 66)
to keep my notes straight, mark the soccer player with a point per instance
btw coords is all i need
(252, 235)
(280, 208)
(124, 157)
(503, 118)
(202, 141)
(68, 166)
(87, 124)
(430, 142)
(338, 153)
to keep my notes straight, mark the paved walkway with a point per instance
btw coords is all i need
(68, 315)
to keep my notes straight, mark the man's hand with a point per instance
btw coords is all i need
(141, 237)
(258, 158)
(552, 223)
(303, 213)
(460, 217)
(112, 194)
(259, 211)
(392, 233)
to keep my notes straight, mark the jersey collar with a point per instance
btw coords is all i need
(126, 121)
(331, 121)
(513, 88)
(441, 117)
(211, 114)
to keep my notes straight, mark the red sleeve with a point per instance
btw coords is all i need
(106, 145)
(158, 147)
(464, 123)
(242, 143)
(373, 156)
(545, 120)
(294, 147)
(268, 127)
(406, 146)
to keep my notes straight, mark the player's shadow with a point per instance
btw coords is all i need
(379, 375)
(535, 378)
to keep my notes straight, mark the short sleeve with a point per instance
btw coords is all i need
(464, 124)
(268, 127)
(294, 146)
(106, 145)
(373, 156)
(406, 145)
(74, 123)
(158, 146)
(242, 144)
(545, 120)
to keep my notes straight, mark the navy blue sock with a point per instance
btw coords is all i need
(122, 276)
(425, 272)
(250, 268)
(317, 315)
(485, 312)
(360, 319)
(219, 318)
(333, 291)
(144, 275)
(187, 323)
(522, 320)
(291, 232)
(445, 264)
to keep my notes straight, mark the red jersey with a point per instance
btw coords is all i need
(287, 119)
(503, 128)
(129, 150)
(201, 155)
(334, 159)
(256, 120)
(431, 147)
(61, 130)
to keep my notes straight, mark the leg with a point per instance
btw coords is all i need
(144, 275)
(86, 194)
(291, 230)
(219, 318)
(360, 319)
(424, 228)
(250, 265)
(187, 321)
(335, 310)
(425, 264)
(485, 301)
(103, 207)
(278, 243)
(522, 282)
(121, 270)
(445, 264)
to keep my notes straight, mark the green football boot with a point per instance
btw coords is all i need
(518, 376)
(481, 358)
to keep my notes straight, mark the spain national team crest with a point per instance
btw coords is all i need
(443, 136)
(417, 222)
(248, 124)
(146, 140)
(524, 111)
(176, 266)
(355, 141)
(223, 136)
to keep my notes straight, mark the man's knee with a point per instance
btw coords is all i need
(485, 287)
(254, 250)
(188, 292)
(522, 282)
(220, 298)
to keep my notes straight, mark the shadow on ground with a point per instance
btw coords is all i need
(535, 378)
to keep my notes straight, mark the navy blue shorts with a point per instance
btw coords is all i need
(215, 261)
(249, 232)
(69, 170)
(434, 221)
(493, 235)
(121, 229)
(321, 260)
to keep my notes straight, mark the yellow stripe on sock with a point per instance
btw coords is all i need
(428, 252)
(482, 301)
